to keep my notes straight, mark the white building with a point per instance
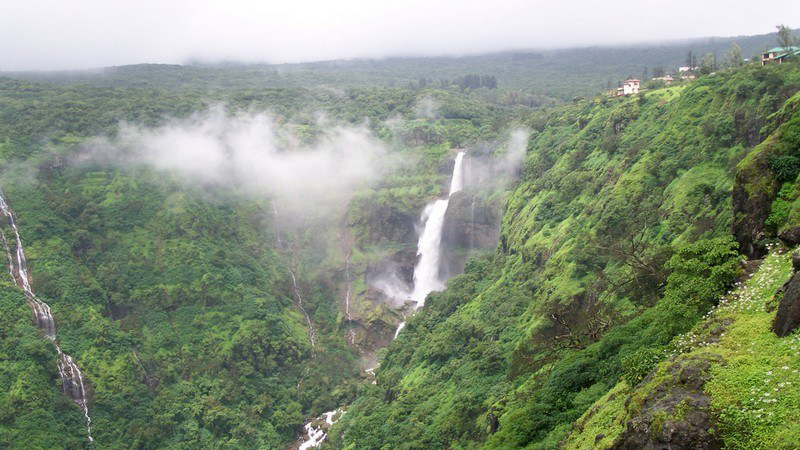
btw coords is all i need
(631, 86)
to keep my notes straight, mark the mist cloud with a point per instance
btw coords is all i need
(252, 153)
(427, 107)
(56, 34)
(493, 165)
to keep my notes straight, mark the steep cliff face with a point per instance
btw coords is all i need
(787, 318)
(471, 223)
(394, 273)
(384, 223)
(758, 212)
(753, 192)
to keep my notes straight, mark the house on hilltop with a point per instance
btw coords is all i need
(631, 86)
(778, 55)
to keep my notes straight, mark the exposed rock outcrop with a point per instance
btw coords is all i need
(787, 319)
(750, 212)
(396, 270)
(380, 222)
(675, 413)
(790, 236)
(469, 223)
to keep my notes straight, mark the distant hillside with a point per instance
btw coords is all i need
(560, 74)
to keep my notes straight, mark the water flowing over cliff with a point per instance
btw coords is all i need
(426, 273)
(302, 308)
(429, 247)
(72, 379)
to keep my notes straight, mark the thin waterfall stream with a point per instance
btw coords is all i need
(303, 309)
(351, 333)
(72, 379)
(296, 289)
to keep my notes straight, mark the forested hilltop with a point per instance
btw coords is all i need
(526, 76)
(606, 319)
(219, 247)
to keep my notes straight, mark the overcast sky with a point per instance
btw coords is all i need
(74, 34)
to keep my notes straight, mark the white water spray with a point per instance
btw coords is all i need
(72, 380)
(426, 272)
(316, 434)
(351, 333)
(399, 329)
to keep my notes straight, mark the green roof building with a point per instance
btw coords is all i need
(779, 54)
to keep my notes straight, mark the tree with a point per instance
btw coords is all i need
(709, 64)
(785, 38)
(658, 72)
(691, 60)
(734, 57)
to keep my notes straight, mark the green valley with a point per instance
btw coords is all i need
(232, 254)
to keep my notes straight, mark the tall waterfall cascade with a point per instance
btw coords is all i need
(429, 246)
(426, 280)
(72, 379)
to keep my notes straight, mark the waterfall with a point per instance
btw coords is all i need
(296, 289)
(72, 379)
(426, 273)
(399, 329)
(303, 309)
(278, 239)
(351, 333)
(316, 434)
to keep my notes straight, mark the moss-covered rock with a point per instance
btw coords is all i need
(674, 411)
(787, 318)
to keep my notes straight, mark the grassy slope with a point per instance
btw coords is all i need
(597, 174)
(754, 388)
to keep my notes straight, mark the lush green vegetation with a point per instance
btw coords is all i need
(178, 303)
(177, 300)
(525, 77)
(185, 338)
(754, 392)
